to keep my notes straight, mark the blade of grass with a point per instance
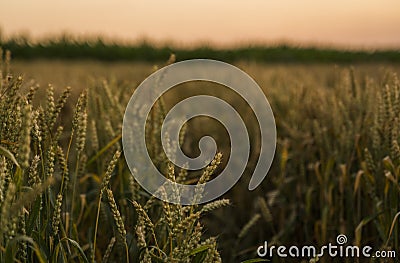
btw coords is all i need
(104, 149)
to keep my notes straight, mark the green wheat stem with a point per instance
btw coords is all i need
(95, 229)
(75, 178)
(104, 149)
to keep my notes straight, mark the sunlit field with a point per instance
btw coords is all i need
(66, 193)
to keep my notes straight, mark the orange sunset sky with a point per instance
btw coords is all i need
(343, 23)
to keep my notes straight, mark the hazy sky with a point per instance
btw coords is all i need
(357, 23)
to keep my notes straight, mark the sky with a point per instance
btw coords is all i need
(342, 23)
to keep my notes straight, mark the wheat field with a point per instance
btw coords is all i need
(66, 193)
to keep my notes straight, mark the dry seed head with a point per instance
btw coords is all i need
(133, 186)
(30, 196)
(215, 205)
(33, 177)
(396, 95)
(107, 254)
(108, 174)
(212, 252)
(376, 138)
(169, 148)
(147, 256)
(37, 133)
(62, 100)
(195, 237)
(50, 162)
(7, 62)
(183, 172)
(143, 215)
(249, 225)
(81, 131)
(171, 172)
(182, 134)
(82, 165)
(141, 235)
(22, 254)
(63, 165)
(216, 257)
(172, 59)
(395, 151)
(3, 178)
(11, 228)
(387, 99)
(395, 129)
(186, 222)
(369, 160)
(109, 129)
(31, 93)
(94, 139)
(25, 138)
(116, 215)
(57, 135)
(210, 169)
(150, 202)
(6, 207)
(50, 106)
(265, 211)
(79, 109)
(381, 110)
(13, 124)
(113, 99)
(168, 215)
(57, 214)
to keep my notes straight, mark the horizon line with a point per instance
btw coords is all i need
(206, 43)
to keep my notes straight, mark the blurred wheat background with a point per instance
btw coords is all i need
(330, 73)
(336, 166)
